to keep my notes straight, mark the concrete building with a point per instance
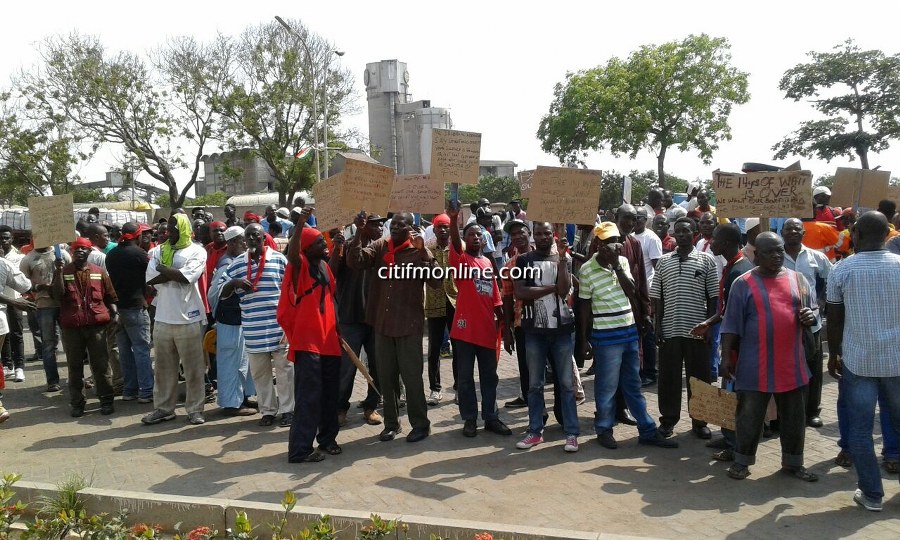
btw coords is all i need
(399, 128)
(255, 176)
(499, 169)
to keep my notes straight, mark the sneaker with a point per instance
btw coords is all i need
(724, 455)
(529, 441)
(128, 397)
(4, 414)
(517, 403)
(144, 400)
(196, 418)
(157, 416)
(571, 444)
(20, 375)
(659, 440)
(580, 400)
(8, 373)
(286, 419)
(860, 498)
(435, 397)
(54, 388)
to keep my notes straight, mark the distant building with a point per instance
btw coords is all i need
(499, 169)
(399, 128)
(255, 175)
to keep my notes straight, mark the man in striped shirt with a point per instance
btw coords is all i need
(684, 293)
(605, 291)
(256, 278)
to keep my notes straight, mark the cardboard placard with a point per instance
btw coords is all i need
(526, 179)
(711, 404)
(455, 156)
(52, 220)
(763, 194)
(366, 186)
(893, 193)
(867, 186)
(417, 193)
(329, 213)
(564, 195)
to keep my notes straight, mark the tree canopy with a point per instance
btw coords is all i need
(857, 92)
(675, 95)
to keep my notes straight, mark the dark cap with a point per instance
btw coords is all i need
(375, 218)
(512, 223)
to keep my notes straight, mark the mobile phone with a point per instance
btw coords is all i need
(57, 251)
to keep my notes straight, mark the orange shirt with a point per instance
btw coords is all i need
(820, 236)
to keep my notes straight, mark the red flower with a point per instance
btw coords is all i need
(200, 533)
(484, 536)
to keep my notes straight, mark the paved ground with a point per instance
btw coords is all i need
(633, 490)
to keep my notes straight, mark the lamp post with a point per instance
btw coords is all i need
(325, 105)
(312, 64)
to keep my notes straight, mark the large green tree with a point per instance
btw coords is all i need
(269, 101)
(675, 95)
(858, 94)
(151, 112)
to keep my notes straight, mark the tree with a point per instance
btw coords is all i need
(641, 184)
(493, 188)
(857, 91)
(675, 95)
(121, 99)
(269, 100)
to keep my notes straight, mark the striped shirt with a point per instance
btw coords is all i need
(610, 307)
(683, 288)
(261, 330)
(868, 285)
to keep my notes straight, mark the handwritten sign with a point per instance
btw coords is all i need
(763, 194)
(563, 195)
(894, 194)
(329, 213)
(712, 404)
(526, 179)
(417, 193)
(866, 186)
(366, 186)
(52, 220)
(455, 156)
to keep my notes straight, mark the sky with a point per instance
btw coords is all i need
(494, 63)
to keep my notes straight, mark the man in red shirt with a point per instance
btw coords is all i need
(823, 212)
(475, 327)
(216, 248)
(661, 228)
(306, 312)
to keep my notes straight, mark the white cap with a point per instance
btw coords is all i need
(751, 222)
(233, 232)
(821, 189)
(283, 212)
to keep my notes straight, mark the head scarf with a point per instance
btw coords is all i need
(215, 225)
(81, 242)
(250, 216)
(308, 236)
(141, 227)
(440, 219)
(167, 250)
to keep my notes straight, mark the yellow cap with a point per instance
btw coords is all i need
(606, 229)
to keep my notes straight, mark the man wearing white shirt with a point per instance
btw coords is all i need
(174, 269)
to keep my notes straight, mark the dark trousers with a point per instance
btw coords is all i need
(749, 418)
(524, 381)
(814, 361)
(90, 342)
(648, 349)
(401, 357)
(316, 380)
(35, 327)
(487, 377)
(675, 353)
(437, 326)
(358, 336)
(13, 350)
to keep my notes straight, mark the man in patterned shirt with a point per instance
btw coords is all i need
(862, 289)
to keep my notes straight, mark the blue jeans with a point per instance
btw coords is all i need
(890, 446)
(47, 319)
(617, 366)
(558, 349)
(133, 338)
(860, 395)
(715, 360)
(466, 355)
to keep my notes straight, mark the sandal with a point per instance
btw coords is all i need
(892, 466)
(801, 473)
(738, 472)
(332, 449)
(843, 460)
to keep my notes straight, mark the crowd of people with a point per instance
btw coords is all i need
(267, 315)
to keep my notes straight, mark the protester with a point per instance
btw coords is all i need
(234, 383)
(306, 311)
(256, 278)
(440, 306)
(770, 358)
(605, 291)
(38, 266)
(15, 280)
(127, 267)
(864, 355)
(661, 227)
(88, 304)
(395, 310)
(821, 209)
(475, 328)
(652, 250)
(815, 267)
(547, 323)
(175, 268)
(684, 293)
(703, 205)
(513, 335)
(13, 348)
